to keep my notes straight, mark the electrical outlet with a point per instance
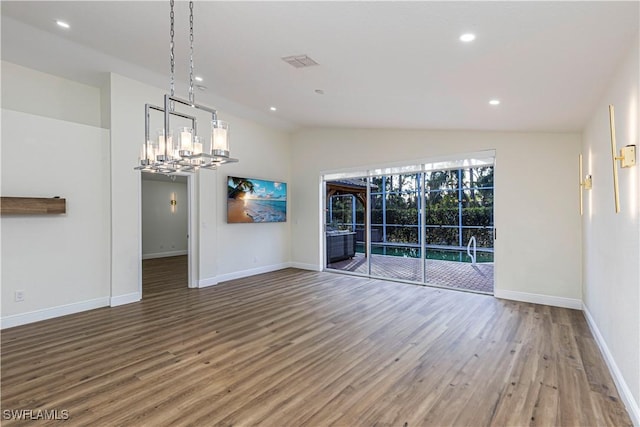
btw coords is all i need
(19, 296)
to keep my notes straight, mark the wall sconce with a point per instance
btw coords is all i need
(173, 202)
(627, 158)
(585, 184)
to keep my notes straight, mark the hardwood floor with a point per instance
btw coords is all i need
(449, 274)
(299, 348)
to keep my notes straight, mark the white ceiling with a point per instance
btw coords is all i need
(382, 64)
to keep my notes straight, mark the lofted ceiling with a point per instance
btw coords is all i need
(381, 64)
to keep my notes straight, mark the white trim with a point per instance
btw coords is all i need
(50, 313)
(625, 393)
(573, 303)
(191, 251)
(365, 170)
(192, 221)
(114, 300)
(304, 266)
(125, 299)
(165, 254)
(322, 226)
(252, 271)
(210, 281)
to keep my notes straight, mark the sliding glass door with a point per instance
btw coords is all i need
(459, 228)
(396, 246)
(425, 224)
(345, 234)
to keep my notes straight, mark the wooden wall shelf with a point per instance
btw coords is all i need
(32, 205)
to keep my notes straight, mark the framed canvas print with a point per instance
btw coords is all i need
(255, 200)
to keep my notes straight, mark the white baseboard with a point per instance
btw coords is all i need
(304, 266)
(625, 393)
(211, 281)
(125, 299)
(573, 303)
(252, 271)
(50, 313)
(164, 254)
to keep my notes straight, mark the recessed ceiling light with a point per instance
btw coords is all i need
(63, 24)
(272, 108)
(468, 37)
(494, 102)
(198, 78)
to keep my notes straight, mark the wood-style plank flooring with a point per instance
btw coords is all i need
(299, 348)
(450, 274)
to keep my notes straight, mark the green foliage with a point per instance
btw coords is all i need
(442, 236)
(448, 193)
(342, 212)
(482, 215)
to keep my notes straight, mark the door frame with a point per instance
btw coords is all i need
(192, 250)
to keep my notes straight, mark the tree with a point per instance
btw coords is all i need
(240, 187)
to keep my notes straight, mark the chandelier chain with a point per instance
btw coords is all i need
(191, 96)
(172, 79)
(186, 151)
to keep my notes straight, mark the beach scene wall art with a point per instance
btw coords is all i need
(256, 200)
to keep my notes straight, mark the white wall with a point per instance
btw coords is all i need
(537, 250)
(245, 249)
(164, 227)
(31, 91)
(127, 134)
(61, 262)
(223, 250)
(91, 256)
(612, 241)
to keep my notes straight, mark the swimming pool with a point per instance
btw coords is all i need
(437, 254)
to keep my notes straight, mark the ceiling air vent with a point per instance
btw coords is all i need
(299, 61)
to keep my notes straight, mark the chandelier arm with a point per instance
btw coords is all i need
(167, 113)
(193, 105)
(173, 113)
(146, 131)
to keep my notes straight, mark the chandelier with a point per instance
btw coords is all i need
(182, 149)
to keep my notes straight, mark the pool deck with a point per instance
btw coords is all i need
(450, 274)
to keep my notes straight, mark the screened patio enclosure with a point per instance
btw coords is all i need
(427, 224)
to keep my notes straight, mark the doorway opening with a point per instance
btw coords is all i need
(426, 224)
(165, 226)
